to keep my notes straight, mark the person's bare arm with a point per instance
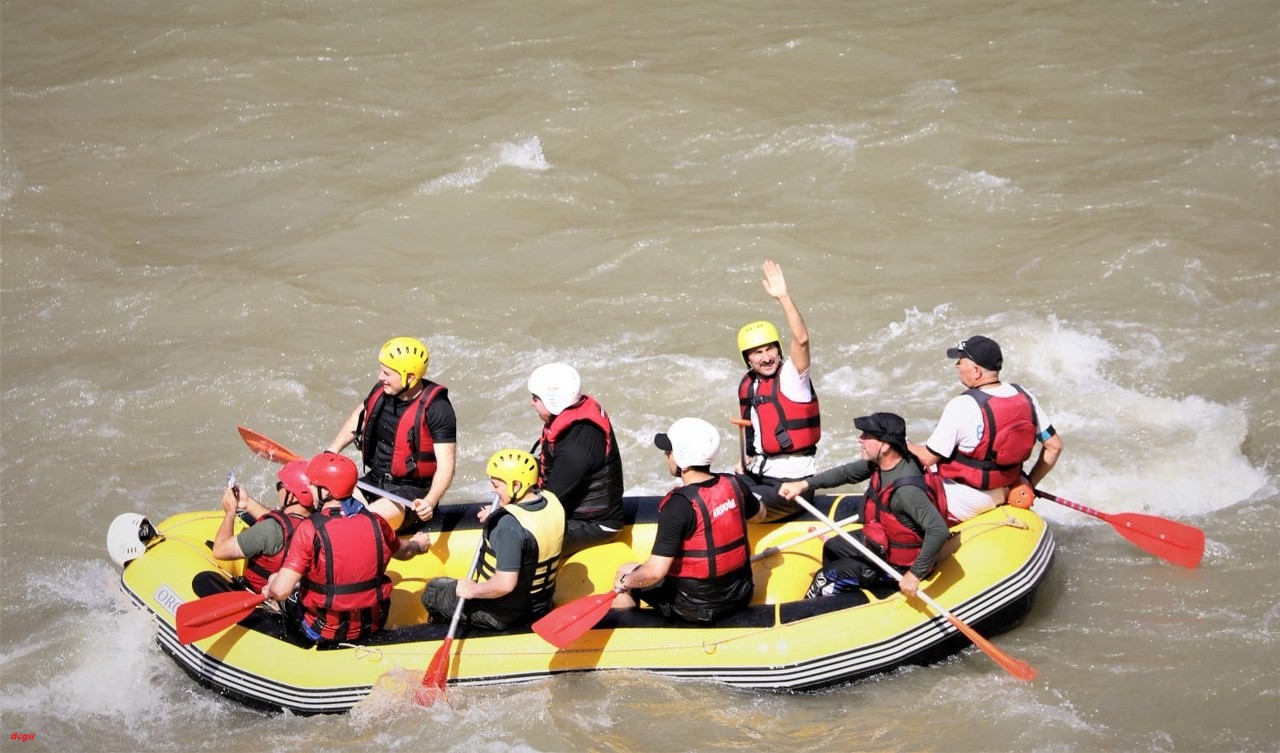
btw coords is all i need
(775, 284)
(446, 466)
(1049, 452)
(281, 584)
(225, 546)
(347, 433)
(924, 455)
(653, 570)
(411, 547)
(501, 584)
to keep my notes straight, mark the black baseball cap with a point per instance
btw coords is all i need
(981, 350)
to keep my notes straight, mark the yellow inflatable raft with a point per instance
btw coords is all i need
(781, 642)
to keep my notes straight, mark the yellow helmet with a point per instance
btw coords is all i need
(756, 334)
(511, 466)
(407, 357)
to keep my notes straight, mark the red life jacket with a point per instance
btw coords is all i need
(346, 593)
(604, 487)
(897, 542)
(718, 544)
(258, 569)
(414, 453)
(586, 409)
(787, 427)
(1009, 431)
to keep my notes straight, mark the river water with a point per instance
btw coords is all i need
(214, 213)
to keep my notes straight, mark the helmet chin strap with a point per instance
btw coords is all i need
(409, 393)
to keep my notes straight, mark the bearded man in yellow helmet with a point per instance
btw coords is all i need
(778, 398)
(519, 557)
(407, 433)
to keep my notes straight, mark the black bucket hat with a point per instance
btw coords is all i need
(889, 428)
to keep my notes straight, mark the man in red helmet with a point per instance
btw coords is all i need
(263, 544)
(338, 561)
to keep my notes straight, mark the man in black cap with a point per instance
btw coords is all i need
(903, 523)
(986, 434)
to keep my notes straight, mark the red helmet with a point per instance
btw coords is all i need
(293, 477)
(334, 472)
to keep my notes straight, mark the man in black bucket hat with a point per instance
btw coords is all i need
(986, 434)
(903, 518)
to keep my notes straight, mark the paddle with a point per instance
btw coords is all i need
(1015, 667)
(212, 614)
(266, 448)
(1176, 542)
(742, 425)
(800, 539)
(437, 674)
(568, 622)
(277, 453)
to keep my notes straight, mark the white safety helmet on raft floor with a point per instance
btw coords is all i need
(128, 536)
(557, 385)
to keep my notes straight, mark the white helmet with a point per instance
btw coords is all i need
(557, 385)
(691, 441)
(128, 536)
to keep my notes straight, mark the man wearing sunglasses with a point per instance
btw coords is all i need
(986, 434)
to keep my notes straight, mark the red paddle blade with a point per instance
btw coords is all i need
(567, 623)
(212, 614)
(1176, 542)
(436, 676)
(265, 448)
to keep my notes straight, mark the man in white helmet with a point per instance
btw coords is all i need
(700, 567)
(578, 456)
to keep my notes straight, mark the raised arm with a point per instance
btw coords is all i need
(775, 284)
(225, 546)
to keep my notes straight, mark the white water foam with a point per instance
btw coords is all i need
(526, 155)
(1128, 447)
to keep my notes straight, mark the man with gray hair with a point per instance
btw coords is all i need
(986, 434)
